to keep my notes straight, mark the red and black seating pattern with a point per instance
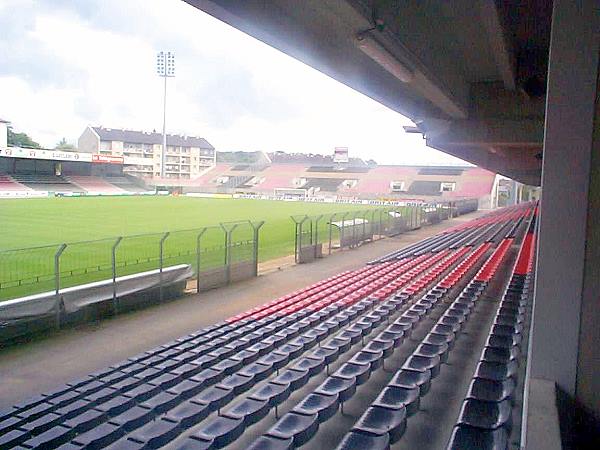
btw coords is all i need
(271, 377)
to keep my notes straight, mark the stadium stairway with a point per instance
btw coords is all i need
(342, 362)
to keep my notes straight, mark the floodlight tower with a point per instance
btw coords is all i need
(165, 67)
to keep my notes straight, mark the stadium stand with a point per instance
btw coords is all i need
(95, 184)
(329, 342)
(354, 179)
(46, 182)
(7, 183)
(124, 183)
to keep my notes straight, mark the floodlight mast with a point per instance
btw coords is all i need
(165, 67)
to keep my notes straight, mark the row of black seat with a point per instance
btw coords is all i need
(384, 422)
(485, 417)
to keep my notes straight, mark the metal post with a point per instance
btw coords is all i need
(330, 230)
(164, 141)
(228, 231)
(114, 273)
(316, 243)
(342, 229)
(59, 252)
(160, 262)
(256, 229)
(354, 229)
(381, 224)
(198, 238)
(364, 215)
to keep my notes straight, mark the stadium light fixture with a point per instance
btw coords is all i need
(165, 67)
(383, 57)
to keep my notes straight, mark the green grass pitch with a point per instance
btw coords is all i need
(45, 223)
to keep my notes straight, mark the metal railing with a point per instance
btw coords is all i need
(209, 250)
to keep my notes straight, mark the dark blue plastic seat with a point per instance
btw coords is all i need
(215, 397)
(310, 364)
(50, 438)
(156, 433)
(355, 440)
(358, 372)
(293, 378)
(250, 410)
(372, 358)
(188, 413)
(496, 371)
(500, 355)
(236, 382)
(132, 418)
(276, 360)
(343, 388)
(353, 335)
(301, 428)
(423, 363)
(486, 415)
(220, 431)
(412, 379)
(291, 351)
(342, 343)
(100, 436)
(490, 390)
(428, 350)
(86, 421)
(273, 393)
(327, 352)
(272, 443)
(161, 402)
(378, 345)
(383, 421)
(325, 406)
(395, 397)
(257, 371)
(502, 341)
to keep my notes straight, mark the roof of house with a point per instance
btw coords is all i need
(146, 137)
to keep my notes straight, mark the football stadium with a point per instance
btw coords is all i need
(159, 292)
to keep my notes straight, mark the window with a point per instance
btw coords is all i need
(447, 186)
(397, 186)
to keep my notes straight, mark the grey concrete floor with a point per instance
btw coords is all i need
(44, 363)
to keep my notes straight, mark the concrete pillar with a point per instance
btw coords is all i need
(566, 307)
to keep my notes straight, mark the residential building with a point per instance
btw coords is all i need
(187, 156)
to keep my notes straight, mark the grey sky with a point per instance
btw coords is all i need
(65, 64)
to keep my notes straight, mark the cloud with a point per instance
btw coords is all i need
(66, 64)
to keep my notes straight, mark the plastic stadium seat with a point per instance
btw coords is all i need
(293, 378)
(381, 421)
(496, 371)
(500, 355)
(490, 390)
(395, 397)
(469, 438)
(188, 413)
(357, 440)
(423, 363)
(412, 379)
(486, 415)
(276, 360)
(220, 432)
(325, 406)
(310, 364)
(342, 388)
(132, 418)
(86, 421)
(373, 359)
(250, 410)
(301, 428)
(156, 434)
(100, 436)
(272, 443)
(215, 397)
(358, 372)
(273, 393)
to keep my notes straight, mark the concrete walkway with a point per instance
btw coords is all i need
(38, 366)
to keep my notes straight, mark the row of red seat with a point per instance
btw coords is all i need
(491, 265)
(459, 271)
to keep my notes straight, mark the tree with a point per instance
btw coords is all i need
(65, 146)
(21, 140)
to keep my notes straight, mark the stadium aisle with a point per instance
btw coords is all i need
(75, 352)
